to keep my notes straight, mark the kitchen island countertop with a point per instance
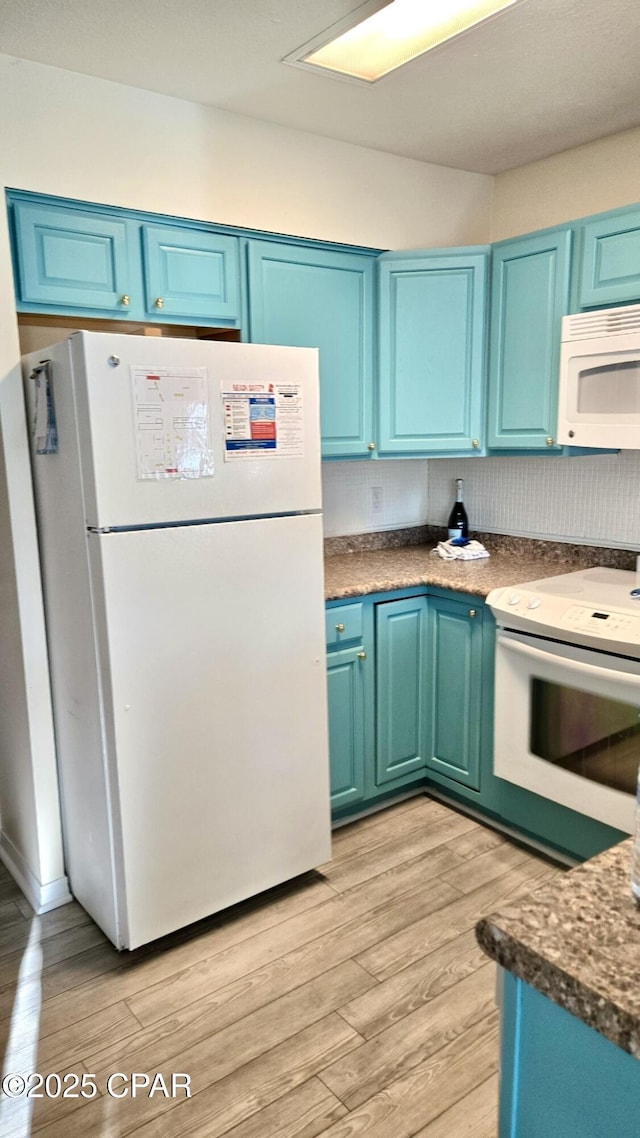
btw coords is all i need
(577, 941)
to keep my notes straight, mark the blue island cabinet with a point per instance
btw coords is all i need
(560, 1078)
(322, 298)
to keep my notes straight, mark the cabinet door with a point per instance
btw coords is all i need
(321, 299)
(69, 258)
(347, 725)
(191, 273)
(401, 660)
(610, 266)
(529, 295)
(455, 705)
(432, 353)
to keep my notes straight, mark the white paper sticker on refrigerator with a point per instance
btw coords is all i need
(263, 420)
(171, 420)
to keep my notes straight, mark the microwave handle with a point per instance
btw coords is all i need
(576, 665)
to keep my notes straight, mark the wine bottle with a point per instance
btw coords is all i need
(458, 524)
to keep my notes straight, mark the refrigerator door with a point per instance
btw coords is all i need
(238, 422)
(211, 655)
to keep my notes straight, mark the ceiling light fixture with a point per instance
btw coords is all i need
(393, 35)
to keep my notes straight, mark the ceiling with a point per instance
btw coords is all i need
(542, 77)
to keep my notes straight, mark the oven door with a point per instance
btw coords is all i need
(567, 725)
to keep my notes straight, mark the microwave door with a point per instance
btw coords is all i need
(599, 400)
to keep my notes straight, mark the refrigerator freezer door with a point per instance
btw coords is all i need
(212, 664)
(113, 431)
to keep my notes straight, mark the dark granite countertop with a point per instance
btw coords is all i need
(577, 941)
(402, 559)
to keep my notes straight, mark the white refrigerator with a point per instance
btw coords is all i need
(178, 499)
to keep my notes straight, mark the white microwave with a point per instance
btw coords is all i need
(599, 393)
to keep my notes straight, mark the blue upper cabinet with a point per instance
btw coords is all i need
(114, 263)
(529, 295)
(191, 273)
(432, 352)
(72, 259)
(321, 298)
(610, 262)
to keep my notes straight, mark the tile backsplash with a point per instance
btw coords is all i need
(361, 497)
(589, 499)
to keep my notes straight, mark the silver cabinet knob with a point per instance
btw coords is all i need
(371, 446)
(125, 300)
(472, 613)
(362, 655)
(159, 302)
(550, 441)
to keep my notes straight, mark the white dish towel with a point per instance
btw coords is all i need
(469, 552)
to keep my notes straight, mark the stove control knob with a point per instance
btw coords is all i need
(513, 598)
(533, 603)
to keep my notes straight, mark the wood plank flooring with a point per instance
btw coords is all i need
(352, 1001)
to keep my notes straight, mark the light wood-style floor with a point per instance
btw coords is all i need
(351, 1002)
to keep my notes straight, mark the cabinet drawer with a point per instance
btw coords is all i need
(342, 624)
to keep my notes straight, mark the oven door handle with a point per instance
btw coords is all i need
(576, 665)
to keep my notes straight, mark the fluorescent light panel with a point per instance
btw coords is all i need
(399, 32)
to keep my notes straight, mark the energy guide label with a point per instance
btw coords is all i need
(171, 421)
(263, 420)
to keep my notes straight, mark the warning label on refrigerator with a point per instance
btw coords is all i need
(262, 420)
(171, 420)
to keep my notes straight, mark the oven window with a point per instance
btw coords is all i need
(591, 736)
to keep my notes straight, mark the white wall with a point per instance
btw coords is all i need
(84, 138)
(589, 179)
(87, 138)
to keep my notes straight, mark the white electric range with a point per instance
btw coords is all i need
(567, 690)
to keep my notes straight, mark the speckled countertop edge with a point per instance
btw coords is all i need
(400, 559)
(577, 941)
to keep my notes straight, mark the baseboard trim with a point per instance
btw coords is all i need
(42, 898)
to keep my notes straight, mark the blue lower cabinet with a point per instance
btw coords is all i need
(390, 696)
(401, 658)
(558, 1077)
(350, 664)
(347, 726)
(454, 696)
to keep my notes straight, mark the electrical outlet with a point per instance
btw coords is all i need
(376, 500)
